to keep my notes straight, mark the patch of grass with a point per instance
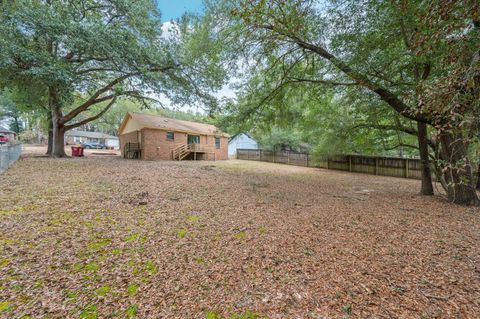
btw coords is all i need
(199, 260)
(99, 244)
(77, 266)
(5, 306)
(92, 266)
(90, 312)
(132, 237)
(150, 267)
(240, 235)
(4, 262)
(132, 311)
(103, 291)
(247, 315)
(132, 289)
(347, 309)
(262, 230)
(181, 233)
(71, 296)
(193, 219)
(116, 251)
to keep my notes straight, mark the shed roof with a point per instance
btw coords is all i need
(165, 123)
(90, 134)
(240, 134)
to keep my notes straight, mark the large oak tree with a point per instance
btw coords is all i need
(91, 52)
(418, 58)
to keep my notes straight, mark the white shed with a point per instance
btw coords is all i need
(242, 140)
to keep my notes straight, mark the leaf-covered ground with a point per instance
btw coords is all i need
(103, 237)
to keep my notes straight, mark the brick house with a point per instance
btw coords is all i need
(152, 137)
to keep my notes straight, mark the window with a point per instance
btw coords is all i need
(170, 136)
(217, 142)
(193, 139)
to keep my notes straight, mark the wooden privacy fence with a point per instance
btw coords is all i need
(375, 165)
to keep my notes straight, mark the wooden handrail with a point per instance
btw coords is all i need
(182, 151)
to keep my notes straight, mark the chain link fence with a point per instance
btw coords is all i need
(8, 155)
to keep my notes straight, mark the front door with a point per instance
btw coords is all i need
(193, 139)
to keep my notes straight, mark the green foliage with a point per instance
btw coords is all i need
(77, 60)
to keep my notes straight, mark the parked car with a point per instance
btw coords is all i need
(3, 139)
(94, 145)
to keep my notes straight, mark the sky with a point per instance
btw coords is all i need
(173, 9)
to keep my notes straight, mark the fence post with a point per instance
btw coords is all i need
(349, 163)
(288, 157)
(273, 155)
(306, 160)
(248, 155)
(406, 168)
(328, 162)
(376, 165)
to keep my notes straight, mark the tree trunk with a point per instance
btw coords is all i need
(58, 132)
(50, 134)
(478, 176)
(458, 171)
(427, 186)
(58, 141)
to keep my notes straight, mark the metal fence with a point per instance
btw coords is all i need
(8, 155)
(376, 165)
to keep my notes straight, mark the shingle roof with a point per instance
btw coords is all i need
(155, 121)
(89, 134)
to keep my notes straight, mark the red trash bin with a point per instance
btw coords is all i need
(77, 151)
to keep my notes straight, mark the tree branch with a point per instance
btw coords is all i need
(384, 94)
(334, 83)
(92, 118)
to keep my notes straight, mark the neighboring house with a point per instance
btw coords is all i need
(242, 140)
(79, 137)
(152, 137)
(7, 135)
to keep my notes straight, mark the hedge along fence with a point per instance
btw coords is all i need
(375, 165)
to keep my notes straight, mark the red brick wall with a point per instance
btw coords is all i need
(155, 146)
(131, 137)
(220, 154)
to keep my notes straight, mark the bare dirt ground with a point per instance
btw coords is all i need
(104, 237)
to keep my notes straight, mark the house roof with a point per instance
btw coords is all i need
(238, 134)
(4, 130)
(165, 123)
(90, 134)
